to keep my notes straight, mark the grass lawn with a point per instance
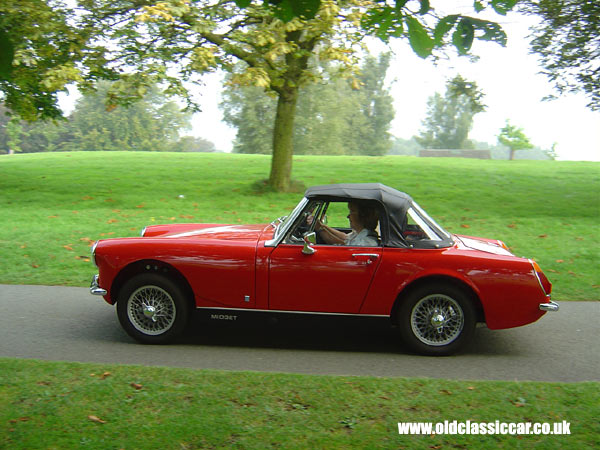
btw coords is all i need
(54, 205)
(70, 405)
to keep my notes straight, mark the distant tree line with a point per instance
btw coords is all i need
(152, 124)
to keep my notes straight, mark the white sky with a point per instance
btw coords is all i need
(507, 75)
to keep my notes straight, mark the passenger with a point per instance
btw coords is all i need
(363, 221)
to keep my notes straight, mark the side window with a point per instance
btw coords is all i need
(417, 228)
(336, 215)
(336, 224)
(305, 222)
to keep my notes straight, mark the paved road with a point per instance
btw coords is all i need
(68, 324)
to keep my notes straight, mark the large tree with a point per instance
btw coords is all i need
(142, 42)
(332, 117)
(514, 138)
(450, 117)
(567, 39)
(151, 124)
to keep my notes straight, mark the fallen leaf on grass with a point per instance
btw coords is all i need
(20, 419)
(446, 391)
(136, 386)
(82, 258)
(464, 225)
(560, 260)
(112, 221)
(543, 236)
(105, 375)
(96, 419)
(68, 247)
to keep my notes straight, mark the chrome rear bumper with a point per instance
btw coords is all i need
(95, 289)
(550, 306)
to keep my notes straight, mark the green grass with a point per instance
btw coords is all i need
(62, 405)
(54, 205)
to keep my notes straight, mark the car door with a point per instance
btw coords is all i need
(334, 279)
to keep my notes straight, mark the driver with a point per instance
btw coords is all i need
(363, 221)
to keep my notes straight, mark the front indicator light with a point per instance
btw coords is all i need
(543, 280)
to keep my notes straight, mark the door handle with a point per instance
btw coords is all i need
(370, 257)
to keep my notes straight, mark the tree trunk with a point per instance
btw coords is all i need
(281, 162)
(512, 154)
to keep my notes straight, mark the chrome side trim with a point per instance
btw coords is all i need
(287, 224)
(290, 312)
(95, 289)
(550, 306)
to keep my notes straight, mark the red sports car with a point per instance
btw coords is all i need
(346, 250)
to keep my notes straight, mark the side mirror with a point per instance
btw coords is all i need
(309, 238)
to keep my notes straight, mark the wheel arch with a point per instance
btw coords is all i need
(151, 266)
(438, 279)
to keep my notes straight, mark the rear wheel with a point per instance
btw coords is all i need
(437, 320)
(152, 309)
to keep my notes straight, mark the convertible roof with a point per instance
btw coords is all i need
(395, 203)
(365, 191)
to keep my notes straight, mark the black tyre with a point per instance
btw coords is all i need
(152, 309)
(437, 320)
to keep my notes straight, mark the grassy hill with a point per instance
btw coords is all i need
(54, 205)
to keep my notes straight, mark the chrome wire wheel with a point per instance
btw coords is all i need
(437, 320)
(151, 310)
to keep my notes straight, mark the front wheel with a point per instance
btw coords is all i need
(437, 320)
(152, 309)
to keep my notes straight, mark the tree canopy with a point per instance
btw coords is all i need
(332, 118)
(514, 138)
(568, 42)
(450, 117)
(151, 124)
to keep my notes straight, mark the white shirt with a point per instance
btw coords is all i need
(366, 238)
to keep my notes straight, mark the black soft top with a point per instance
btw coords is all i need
(394, 203)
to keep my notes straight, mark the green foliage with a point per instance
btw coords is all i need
(332, 117)
(568, 41)
(514, 138)
(152, 124)
(450, 118)
(39, 50)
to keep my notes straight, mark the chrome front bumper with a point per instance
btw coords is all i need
(550, 306)
(95, 289)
